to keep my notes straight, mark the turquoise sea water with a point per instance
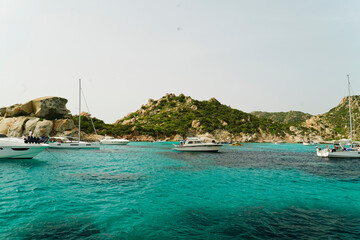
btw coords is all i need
(148, 191)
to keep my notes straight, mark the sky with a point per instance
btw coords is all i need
(253, 55)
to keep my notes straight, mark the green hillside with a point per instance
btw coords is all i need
(337, 119)
(172, 115)
(291, 117)
(181, 115)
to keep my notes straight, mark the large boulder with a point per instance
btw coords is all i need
(27, 108)
(63, 125)
(2, 111)
(30, 125)
(13, 111)
(195, 124)
(17, 127)
(44, 107)
(5, 124)
(43, 128)
(50, 107)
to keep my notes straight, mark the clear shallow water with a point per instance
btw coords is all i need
(148, 191)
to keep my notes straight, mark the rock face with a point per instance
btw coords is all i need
(30, 125)
(63, 125)
(16, 129)
(5, 124)
(50, 107)
(44, 107)
(43, 128)
(21, 126)
(37, 116)
(13, 111)
(2, 111)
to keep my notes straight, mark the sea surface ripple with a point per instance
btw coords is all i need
(149, 191)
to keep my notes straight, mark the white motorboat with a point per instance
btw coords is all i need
(310, 143)
(345, 148)
(17, 148)
(69, 144)
(63, 142)
(114, 141)
(194, 144)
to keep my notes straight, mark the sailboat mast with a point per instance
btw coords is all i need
(79, 108)
(349, 107)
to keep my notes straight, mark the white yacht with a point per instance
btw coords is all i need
(69, 144)
(114, 141)
(194, 144)
(345, 148)
(63, 142)
(17, 148)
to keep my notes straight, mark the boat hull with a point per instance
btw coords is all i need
(75, 145)
(113, 142)
(25, 151)
(328, 153)
(203, 148)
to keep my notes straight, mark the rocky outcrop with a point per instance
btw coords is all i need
(5, 124)
(37, 116)
(30, 125)
(21, 126)
(17, 127)
(195, 124)
(50, 107)
(63, 125)
(2, 111)
(13, 111)
(43, 128)
(44, 107)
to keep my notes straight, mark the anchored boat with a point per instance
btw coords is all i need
(114, 141)
(19, 148)
(344, 148)
(194, 144)
(63, 142)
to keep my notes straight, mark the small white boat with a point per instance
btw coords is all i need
(194, 144)
(66, 143)
(310, 143)
(114, 141)
(17, 148)
(344, 148)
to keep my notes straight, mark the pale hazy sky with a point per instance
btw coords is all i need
(264, 55)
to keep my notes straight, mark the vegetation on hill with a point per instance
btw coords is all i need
(291, 117)
(337, 119)
(172, 115)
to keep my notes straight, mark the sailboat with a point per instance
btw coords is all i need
(344, 148)
(63, 142)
